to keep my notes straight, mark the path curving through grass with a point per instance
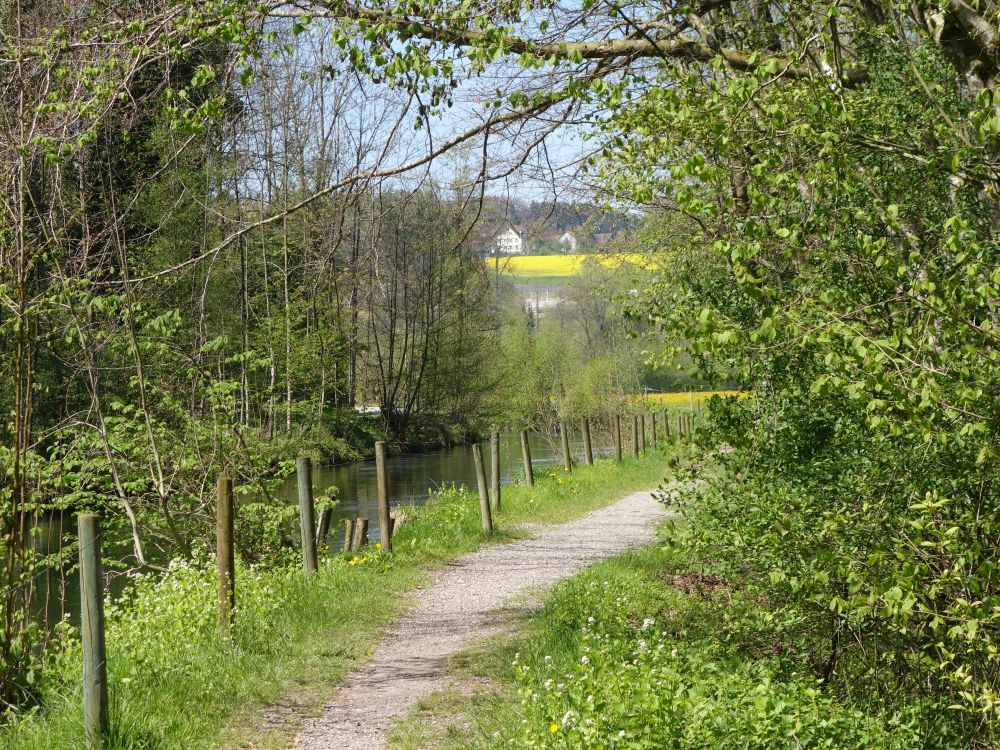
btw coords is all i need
(459, 605)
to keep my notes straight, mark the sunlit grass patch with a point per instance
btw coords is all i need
(621, 656)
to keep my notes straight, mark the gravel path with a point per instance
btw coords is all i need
(412, 659)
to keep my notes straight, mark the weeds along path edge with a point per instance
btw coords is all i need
(411, 661)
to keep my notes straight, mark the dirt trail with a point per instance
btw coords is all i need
(411, 660)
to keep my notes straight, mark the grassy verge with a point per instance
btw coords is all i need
(639, 652)
(175, 685)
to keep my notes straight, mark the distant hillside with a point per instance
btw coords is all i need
(542, 224)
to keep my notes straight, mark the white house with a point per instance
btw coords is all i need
(508, 242)
(568, 241)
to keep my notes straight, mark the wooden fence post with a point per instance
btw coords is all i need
(666, 426)
(642, 434)
(384, 531)
(225, 554)
(618, 438)
(484, 497)
(635, 436)
(349, 533)
(588, 449)
(495, 457)
(307, 518)
(652, 425)
(567, 457)
(323, 526)
(360, 534)
(691, 399)
(95, 667)
(529, 472)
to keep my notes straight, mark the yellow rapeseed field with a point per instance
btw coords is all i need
(562, 266)
(683, 398)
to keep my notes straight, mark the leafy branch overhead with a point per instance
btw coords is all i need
(788, 40)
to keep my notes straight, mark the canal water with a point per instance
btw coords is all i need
(413, 477)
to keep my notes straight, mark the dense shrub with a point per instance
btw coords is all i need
(622, 661)
(878, 550)
(854, 290)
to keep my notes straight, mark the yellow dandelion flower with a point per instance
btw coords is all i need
(553, 727)
(354, 561)
(378, 545)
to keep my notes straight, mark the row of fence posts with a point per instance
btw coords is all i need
(95, 677)
(683, 430)
(489, 499)
(95, 680)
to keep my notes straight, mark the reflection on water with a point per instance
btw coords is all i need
(412, 477)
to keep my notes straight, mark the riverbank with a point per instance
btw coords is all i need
(344, 440)
(175, 685)
(413, 477)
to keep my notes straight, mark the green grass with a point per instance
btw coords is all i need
(175, 685)
(635, 652)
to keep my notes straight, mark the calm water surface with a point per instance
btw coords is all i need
(412, 479)
(414, 476)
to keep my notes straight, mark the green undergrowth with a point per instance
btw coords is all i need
(175, 685)
(644, 652)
